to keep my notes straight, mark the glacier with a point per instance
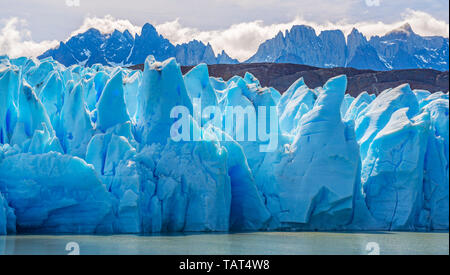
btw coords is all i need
(90, 150)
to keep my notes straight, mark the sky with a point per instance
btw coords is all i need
(29, 27)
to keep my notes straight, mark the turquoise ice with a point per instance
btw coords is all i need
(90, 150)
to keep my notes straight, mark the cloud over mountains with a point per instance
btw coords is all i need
(239, 40)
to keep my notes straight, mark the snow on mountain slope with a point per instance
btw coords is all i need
(398, 49)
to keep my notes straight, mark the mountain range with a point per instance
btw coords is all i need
(400, 48)
(122, 48)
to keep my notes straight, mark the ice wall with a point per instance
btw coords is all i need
(315, 177)
(92, 150)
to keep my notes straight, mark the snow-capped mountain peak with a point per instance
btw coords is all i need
(125, 49)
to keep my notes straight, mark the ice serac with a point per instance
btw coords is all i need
(9, 90)
(44, 141)
(188, 187)
(122, 175)
(76, 126)
(107, 151)
(52, 98)
(100, 80)
(393, 135)
(275, 95)
(392, 172)
(439, 95)
(316, 177)
(435, 214)
(266, 117)
(421, 95)
(200, 90)
(132, 82)
(218, 84)
(248, 211)
(111, 106)
(37, 75)
(373, 118)
(162, 89)
(357, 105)
(44, 203)
(301, 102)
(239, 109)
(288, 94)
(7, 217)
(195, 52)
(346, 103)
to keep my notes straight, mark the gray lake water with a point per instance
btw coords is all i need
(259, 243)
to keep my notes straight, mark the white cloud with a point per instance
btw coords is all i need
(16, 41)
(106, 24)
(240, 41)
(372, 3)
(422, 23)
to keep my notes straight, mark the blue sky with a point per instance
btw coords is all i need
(238, 26)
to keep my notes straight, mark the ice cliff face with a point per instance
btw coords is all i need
(91, 150)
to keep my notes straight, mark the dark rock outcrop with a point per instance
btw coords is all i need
(398, 49)
(281, 76)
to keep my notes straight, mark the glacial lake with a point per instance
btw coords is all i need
(259, 243)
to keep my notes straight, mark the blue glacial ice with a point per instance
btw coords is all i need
(92, 151)
(323, 151)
